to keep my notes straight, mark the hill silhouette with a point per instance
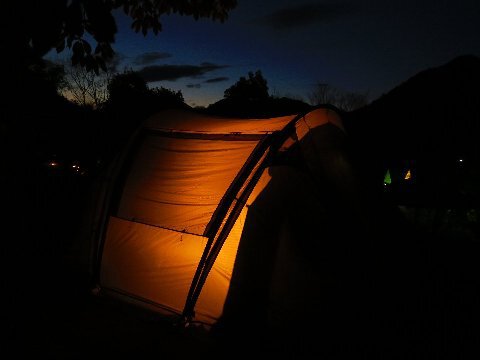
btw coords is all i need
(436, 110)
(431, 121)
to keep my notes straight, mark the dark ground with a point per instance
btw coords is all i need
(429, 306)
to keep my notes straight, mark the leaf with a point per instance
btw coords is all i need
(139, 13)
(91, 64)
(136, 25)
(60, 46)
(101, 63)
(107, 51)
(89, 27)
(88, 67)
(78, 48)
(86, 47)
(75, 59)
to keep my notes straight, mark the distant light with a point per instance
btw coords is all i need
(408, 175)
(53, 164)
(460, 160)
(387, 180)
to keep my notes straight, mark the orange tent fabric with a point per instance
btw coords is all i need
(171, 185)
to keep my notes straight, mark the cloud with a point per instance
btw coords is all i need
(174, 72)
(113, 64)
(151, 57)
(208, 81)
(216, 79)
(306, 14)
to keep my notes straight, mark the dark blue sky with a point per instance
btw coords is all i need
(367, 46)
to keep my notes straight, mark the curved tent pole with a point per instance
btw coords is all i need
(221, 211)
(217, 246)
(276, 139)
(218, 216)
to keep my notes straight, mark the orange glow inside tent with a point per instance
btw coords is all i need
(188, 179)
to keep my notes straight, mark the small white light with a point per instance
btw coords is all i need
(461, 160)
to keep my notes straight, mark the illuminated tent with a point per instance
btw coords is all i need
(200, 213)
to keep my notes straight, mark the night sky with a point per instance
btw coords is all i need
(361, 46)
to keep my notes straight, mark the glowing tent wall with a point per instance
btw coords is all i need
(155, 238)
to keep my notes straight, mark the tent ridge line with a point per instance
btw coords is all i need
(230, 136)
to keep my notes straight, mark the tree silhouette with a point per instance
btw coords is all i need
(84, 87)
(126, 87)
(249, 97)
(344, 100)
(52, 74)
(130, 101)
(129, 91)
(162, 94)
(43, 25)
(252, 88)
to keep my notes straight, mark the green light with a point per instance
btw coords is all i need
(387, 180)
